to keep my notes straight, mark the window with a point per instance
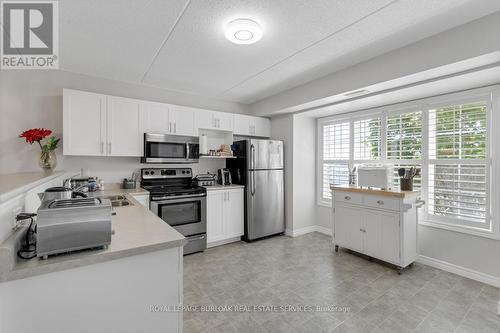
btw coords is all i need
(404, 143)
(336, 153)
(449, 143)
(458, 167)
(367, 139)
(404, 136)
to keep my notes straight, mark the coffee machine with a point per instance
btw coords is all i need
(224, 177)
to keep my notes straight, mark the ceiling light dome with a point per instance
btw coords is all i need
(243, 31)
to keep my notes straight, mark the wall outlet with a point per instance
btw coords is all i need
(16, 224)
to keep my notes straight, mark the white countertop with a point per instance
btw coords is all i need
(223, 187)
(14, 184)
(137, 231)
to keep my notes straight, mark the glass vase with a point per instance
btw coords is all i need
(47, 160)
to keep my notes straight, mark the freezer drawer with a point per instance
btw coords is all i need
(265, 213)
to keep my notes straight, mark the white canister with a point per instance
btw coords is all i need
(203, 145)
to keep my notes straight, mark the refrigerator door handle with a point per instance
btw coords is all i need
(252, 187)
(252, 157)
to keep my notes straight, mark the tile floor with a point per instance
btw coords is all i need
(304, 271)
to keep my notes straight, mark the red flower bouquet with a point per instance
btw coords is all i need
(35, 134)
(48, 158)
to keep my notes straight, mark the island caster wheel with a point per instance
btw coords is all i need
(410, 265)
(370, 259)
(400, 271)
(336, 248)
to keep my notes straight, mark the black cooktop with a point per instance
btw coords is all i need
(174, 189)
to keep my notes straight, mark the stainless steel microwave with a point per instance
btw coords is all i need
(162, 148)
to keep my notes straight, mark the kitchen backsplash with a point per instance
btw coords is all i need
(114, 169)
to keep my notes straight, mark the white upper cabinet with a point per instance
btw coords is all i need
(241, 124)
(84, 122)
(182, 121)
(124, 127)
(156, 118)
(169, 119)
(224, 121)
(262, 126)
(251, 126)
(214, 120)
(101, 125)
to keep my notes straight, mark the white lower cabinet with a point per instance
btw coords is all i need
(387, 232)
(143, 199)
(224, 215)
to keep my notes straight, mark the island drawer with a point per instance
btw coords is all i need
(381, 202)
(348, 197)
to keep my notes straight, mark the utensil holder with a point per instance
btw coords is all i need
(406, 184)
(128, 184)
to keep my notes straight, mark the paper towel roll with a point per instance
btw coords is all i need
(203, 145)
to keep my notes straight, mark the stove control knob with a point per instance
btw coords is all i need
(146, 172)
(163, 172)
(183, 171)
(152, 172)
(187, 171)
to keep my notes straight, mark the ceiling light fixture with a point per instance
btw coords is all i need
(243, 31)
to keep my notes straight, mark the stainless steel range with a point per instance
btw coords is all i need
(179, 202)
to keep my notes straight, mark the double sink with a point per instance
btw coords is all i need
(118, 200)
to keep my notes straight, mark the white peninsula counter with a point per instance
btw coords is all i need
(118, 289)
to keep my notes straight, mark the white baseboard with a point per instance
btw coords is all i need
(459, 270)
(324, 230)
(307, 230)
(223, 242)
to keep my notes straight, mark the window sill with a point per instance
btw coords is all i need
(460, 229)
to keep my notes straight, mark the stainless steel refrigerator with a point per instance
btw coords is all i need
(259, 166)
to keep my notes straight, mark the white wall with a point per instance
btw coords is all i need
(282, 129)
(114, 169)
(30, 98)
(298, 133)
(304, 172)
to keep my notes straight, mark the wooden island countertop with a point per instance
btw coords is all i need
(397, 193)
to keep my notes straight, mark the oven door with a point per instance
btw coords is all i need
(187, 215)
(160, 148)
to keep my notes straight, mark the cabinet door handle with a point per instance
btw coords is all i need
(347, 197)
(109, 147)
(380, 202)
(362, 230)
(102, 147)
(169, 127)
(175, 127)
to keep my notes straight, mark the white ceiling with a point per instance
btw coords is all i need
(179, 45)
